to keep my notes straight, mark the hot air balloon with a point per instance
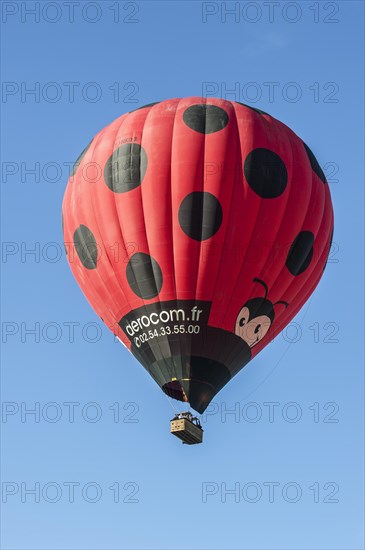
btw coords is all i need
(197, 228)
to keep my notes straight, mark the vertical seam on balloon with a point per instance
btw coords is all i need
(172, 226)
(148, 249)
(202, 205)
(236, 161)
(170, 197)
(197, 257)
(204, 100)
(173, 366)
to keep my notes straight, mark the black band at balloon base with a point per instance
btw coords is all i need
(190, 360)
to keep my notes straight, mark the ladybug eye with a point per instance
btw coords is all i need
(257, 328)
(242, 321)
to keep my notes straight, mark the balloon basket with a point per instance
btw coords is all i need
(187, 427)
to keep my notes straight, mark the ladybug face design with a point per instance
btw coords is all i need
(251, 329)
(255, 318)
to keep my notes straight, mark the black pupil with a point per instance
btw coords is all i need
(257, 328)
(242, 321)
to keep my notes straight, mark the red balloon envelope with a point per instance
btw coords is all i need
(197, 228)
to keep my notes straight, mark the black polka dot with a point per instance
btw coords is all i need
(144, 106)
(126, 168)
(300, 253)
(265, 173)
(86, 247)
(200, 215)
(253, 108)
(79, 159)
(314, 164)
(205, 119)
(144, 275)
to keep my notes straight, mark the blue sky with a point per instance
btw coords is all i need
(134, 485)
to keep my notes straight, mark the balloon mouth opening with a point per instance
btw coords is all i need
(175, 390)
